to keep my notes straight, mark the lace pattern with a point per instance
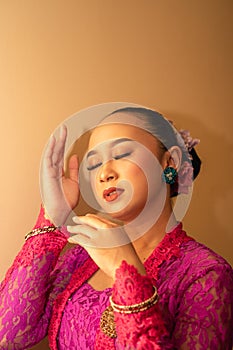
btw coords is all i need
(194, 311)
(195, 286)
(78, 278)
(82, 315)
(26, 287)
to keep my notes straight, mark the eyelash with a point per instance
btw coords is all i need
(89, 168)
(120, 156)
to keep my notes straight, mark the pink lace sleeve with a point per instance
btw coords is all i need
(28, 290)
(142, 330)
(204, 316)
(202, 307)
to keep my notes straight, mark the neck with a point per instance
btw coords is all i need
(145, 245)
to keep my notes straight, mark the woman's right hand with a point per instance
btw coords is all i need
(60, 194)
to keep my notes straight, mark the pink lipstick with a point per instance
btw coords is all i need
(112, 193)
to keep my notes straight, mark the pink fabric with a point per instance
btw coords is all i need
(28, 291)
(83, 272)
(82, 315)
(195, 286)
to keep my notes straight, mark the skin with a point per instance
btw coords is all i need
(114, 171)
(108, 175)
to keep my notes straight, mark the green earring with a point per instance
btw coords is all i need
(169, 175)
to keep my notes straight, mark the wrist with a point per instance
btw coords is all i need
(129, 259)
(131, 287)
(43, 219)
(57, 216)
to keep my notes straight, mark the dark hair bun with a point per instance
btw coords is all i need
(196, 163)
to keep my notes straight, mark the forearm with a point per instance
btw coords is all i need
(25, 311)
(143, 329)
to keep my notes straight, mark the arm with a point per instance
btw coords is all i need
(212, 286)
(142, 330)
(204, 317)
(131, 286)
(31, 285)
(205, 313)
(24, 294)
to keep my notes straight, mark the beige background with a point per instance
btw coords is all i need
(57, 57)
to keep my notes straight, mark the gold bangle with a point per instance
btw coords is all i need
(107, 323)
(39, 231)
(129, 309)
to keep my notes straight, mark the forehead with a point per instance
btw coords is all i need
(103, 133)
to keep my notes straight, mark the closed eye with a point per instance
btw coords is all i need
(123, 155)
(92, 167)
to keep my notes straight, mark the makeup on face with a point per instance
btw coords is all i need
(113, 188)
(116, 169)
(120, 174)
(112, 193)
(109, 150)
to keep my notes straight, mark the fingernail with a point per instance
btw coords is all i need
(76, 219)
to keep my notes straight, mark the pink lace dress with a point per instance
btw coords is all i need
(45, 292)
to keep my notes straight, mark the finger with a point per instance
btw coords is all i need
(73, 168)
(83, 230)
(49, 151)
(83, 235)
(81, 240)
(59, 149)
(94, 221)
(63, 133)
(98, 238)
(107, 219)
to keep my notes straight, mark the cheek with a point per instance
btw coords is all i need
(93, 182)
(132, 169)
(149, 166)
(136, 176)
(147, 181)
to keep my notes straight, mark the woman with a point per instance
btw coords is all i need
(134, 279)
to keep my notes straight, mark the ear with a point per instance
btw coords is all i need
(173, 158)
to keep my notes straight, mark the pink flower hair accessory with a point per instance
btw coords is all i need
(185, 177)
(186, 172)
(189, 142)
(190, 167)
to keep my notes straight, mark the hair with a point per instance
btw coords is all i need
(165, 133)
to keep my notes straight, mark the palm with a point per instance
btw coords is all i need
(70, 184)
(60, 193)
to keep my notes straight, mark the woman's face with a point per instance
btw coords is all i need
(120, 161)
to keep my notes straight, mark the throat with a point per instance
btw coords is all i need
(146, 244)
(100, 281)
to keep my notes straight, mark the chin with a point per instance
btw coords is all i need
(126, 215)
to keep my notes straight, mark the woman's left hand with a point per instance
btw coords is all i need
(106, 242)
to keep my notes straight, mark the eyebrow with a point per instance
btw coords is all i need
(113, 143)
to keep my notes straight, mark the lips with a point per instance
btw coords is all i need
(112, 193)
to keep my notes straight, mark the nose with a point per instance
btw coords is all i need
(107, 173)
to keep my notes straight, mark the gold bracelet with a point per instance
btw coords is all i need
(39, 231)
(129, 309)
(107, 323)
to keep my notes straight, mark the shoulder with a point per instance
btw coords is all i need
(199, 267)
(196, 264)
(198, 277)
(201, 259)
